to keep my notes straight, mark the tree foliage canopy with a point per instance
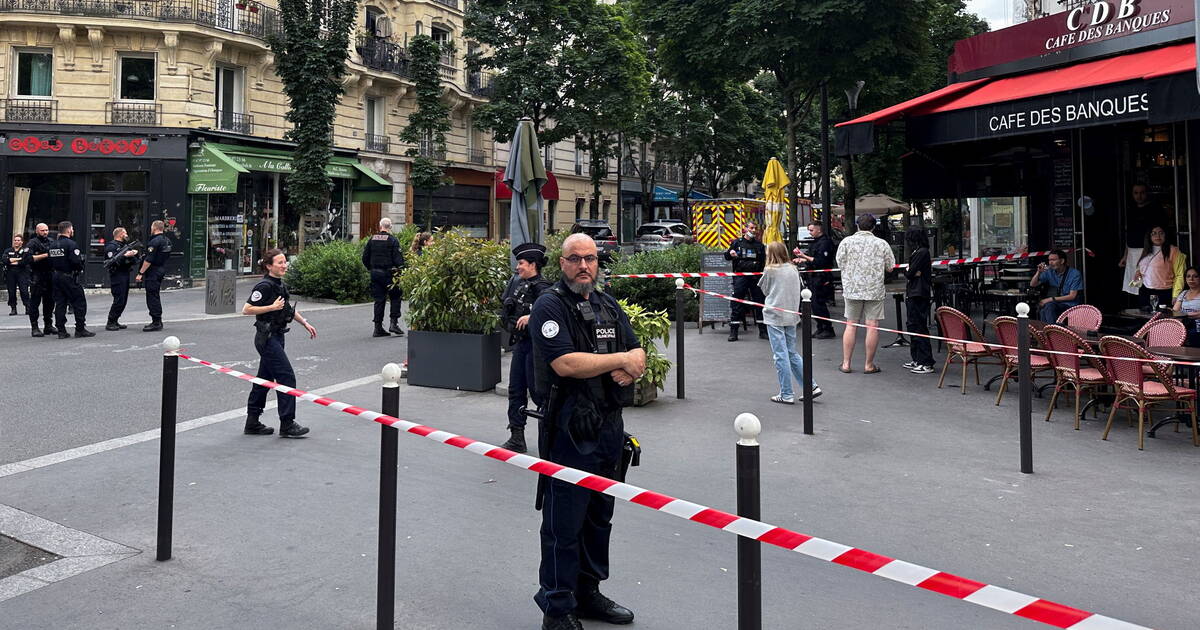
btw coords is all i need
(429, 123)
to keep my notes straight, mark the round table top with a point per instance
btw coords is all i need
(1182, 353)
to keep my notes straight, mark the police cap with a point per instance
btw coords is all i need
(532, 252)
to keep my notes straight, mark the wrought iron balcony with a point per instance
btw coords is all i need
(30, 110)
(427, 149)
(480, 83)
(381, 53)
(477, 156)
(377, 143)
(246, 18)
(236, 122)
(119, 113)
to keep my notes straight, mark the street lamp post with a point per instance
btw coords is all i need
(851, 191)
(826, 195)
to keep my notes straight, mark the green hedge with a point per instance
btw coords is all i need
(331, 271)
(455, 285)
(656, 295)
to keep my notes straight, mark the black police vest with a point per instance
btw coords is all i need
(599, 333)
(380, 251)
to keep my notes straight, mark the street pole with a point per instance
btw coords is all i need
(749, 500)
(680, 308)
(826, 193)
(807, 355)
(1025, 388)
(166, 448)
(385, 596)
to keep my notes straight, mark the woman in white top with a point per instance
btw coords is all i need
(781, 285)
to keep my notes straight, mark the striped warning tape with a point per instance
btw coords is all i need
(994, 597)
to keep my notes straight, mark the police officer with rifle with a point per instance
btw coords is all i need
(518, 301)
(586, 359)
(270, 304)
(67, 265)
(41, 282)
(383, 257)
(119, 259)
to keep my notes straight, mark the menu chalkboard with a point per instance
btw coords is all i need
(715, 309)
(1063, 210)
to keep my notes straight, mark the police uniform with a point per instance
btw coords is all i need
(273, 364)
(68, 264)
(518, 301)
(41, 286)
(158, 250)
(118, 280)
(751, 257)
(382, 256)
(16, 276)
(583, 429)
(822, 251)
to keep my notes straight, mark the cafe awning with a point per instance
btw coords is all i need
(549, 189)
(214, 169)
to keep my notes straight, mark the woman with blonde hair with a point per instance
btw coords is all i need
(781, 285)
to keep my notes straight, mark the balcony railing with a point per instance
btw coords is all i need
(253, 19)
(235, 121)
(453, 4)
(30, 110)
(477, 156)
(427, 149)
(119, 113)
(380, 53)
(480, 83)
(447, 71)
(377, 143)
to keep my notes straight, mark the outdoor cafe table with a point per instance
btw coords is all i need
(1177, 353)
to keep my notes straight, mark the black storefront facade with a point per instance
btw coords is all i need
(1043, 151)
(98, 178)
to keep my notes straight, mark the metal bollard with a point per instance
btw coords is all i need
(385, 598)
(166, 448)
(749, 552)
(680, 302)
(1025, 386)
(900, 340)
(807, 355)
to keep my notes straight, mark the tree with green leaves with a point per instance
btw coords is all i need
(310, 58)
(429, 123)
(656, 117)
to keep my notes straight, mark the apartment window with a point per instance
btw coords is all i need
(375, 124)
(578, 160)
(376, 22)
(442, 38)
(551, 216)
(549, 156)
(579, 204)
(135, 78)
(230, 89)
(35, 73)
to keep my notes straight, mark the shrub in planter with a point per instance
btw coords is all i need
(331, 271)
(650, 326)
(656, 295)
(455, 285)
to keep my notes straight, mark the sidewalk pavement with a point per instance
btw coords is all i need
(273, 533)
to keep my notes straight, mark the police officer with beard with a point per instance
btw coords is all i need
(119, 264)
(67, 265)
(748, 255)
(586, 359)
(41, 282)
(383, 257)
(152, 272)
(518, 304)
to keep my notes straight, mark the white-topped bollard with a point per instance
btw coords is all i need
(171, 345)
(806, 356)
(679, 283)
(1024, 388)
(389, 463)
(681, 296)
(166, 447)
(806, 295)
(1022, 309)
(391, 375)
(749, 551)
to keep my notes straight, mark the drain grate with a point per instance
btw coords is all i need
(16, 556)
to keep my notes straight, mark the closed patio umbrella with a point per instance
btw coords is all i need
(774, 182)
(525, 175)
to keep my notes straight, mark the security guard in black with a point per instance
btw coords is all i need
(16, 274)
(383, 257)
(585, 354)
(152, 272)
(748, 255)
(41, 282)
(67, 263)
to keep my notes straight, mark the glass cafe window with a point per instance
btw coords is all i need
(996, 225)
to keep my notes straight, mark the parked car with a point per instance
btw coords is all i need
(601, 232)
(660, 235)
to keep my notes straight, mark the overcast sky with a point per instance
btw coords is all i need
(996, 12)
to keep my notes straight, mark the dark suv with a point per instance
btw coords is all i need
(606, 241)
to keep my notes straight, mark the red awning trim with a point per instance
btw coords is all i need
(907, 107)
(549, 189)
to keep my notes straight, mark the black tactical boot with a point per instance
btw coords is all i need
(80, 331)
(592, 604)
(154, 325)
(37, 332)
(762, 331)
(63, 334)
(49, 329)
(566, 622)
(112, 325)
(379, 331)
(395, 328)
(733, 332)
(254, 427)
(14, 311)
(292, 430)
(516, 442)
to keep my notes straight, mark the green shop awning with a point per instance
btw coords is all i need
(213, 169)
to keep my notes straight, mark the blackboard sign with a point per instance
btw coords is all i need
(715, 309)
(1063, 210)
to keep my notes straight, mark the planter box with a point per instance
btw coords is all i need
(644, 394)
(453, 360)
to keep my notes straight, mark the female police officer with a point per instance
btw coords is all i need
(270, 305)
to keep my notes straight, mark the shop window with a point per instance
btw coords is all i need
(996, 225)
(35, 73)
(103, 182)
(135, 181)
(135, 78)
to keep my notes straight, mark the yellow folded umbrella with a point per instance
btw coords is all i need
(774, 183)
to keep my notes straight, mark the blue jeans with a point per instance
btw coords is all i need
(783, 347)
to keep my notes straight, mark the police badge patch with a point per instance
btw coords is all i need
(256, 296)
(550, 329)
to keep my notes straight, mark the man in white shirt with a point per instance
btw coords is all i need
(864, 260)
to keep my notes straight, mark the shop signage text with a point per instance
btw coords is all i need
(1085, 111)
(1105, 22)
(79, 145)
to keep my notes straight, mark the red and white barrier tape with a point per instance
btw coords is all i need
(979, 593)
(937, 263)
(987, 344)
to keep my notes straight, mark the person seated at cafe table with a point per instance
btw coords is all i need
(1065, 283)
(1187, 306)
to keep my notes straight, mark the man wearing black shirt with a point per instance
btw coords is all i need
(820, 256)
(16, 273)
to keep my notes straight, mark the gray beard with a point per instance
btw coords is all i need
(582, 288)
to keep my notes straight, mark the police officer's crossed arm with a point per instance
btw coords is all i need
(624, 367)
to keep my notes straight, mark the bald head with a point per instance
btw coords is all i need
(576, 241)
(42, 229)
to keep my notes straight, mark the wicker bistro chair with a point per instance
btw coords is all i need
(1164, 332)
(1081, 316)
(1153, 318)
(1006, 333)
(968, 347)
(1134, 390)
(1069, 369)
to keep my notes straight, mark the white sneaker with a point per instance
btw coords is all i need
(922, 369)
(816, 392)
(910, 365)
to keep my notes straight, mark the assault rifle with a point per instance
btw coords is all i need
(110, 263)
